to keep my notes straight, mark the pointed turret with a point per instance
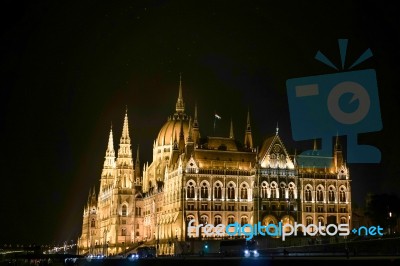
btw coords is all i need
(125, 160)
(189, 141)
(181, 139)
(125, 139)
(93, 198)
(195, 129)
(124, 150)
(248, 139)
(109, 162)
(338, 154)
(89, 197)
(137, 166)
(231, 135)
(180, 106)
(190, 132)
(175, 142)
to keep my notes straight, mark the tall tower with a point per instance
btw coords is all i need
(124, 160)
(108, 173)
(119, 230)
(248, 139)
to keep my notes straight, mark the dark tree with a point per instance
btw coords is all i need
(379, 207)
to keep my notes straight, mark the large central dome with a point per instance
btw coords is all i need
(172, 128)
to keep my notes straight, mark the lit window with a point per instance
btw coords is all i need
(231, 191)
(93, 223)
(217, 191)
(190, 190)
(204, 191)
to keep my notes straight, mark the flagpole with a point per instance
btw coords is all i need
(215, 118)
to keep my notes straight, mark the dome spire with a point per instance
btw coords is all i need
(180, 106)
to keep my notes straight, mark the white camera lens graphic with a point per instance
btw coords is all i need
(359, 93)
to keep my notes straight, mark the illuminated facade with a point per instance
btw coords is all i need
(211, 180)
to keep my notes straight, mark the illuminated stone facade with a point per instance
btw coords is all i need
(211, 180)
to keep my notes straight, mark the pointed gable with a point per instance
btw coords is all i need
(274, 154)
(192, 166)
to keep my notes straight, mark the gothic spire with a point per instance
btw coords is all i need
(137, 166)
(137, 155)
(190, 133)
(181, 138)
(109, 161)
(248, 139)
(195, 127)
(125, 139)
(124, 151)
(195, 122)
(180, 106)
(110, 147)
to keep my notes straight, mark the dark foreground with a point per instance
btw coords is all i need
(210, 261)
(264, 261)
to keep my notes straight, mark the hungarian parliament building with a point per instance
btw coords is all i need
(211, 180)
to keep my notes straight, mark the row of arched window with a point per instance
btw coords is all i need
(320, 195)
(217, 219)
(204, 191)
(266, 190)
(320, 219)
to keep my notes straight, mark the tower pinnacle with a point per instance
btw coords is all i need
(180, 106)
(109, 162)
(125, 139)
(248, 139)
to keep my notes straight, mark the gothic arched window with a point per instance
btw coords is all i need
(291, 191)
(273, 190)
(264, 189)
(243, 192)
(217, 220)
(342, 194)
(217, 191)
(93, 223)
(307, 193)
(331, 194)
(204, 191)
(243, 220)
(190, 190)
(231, 191)
(204, 219)
(282, 190)
(320, 194)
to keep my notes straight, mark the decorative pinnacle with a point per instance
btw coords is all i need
(180, 106)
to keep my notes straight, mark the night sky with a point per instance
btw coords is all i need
(68, 70)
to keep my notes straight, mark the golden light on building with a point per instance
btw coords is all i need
(216, 180)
